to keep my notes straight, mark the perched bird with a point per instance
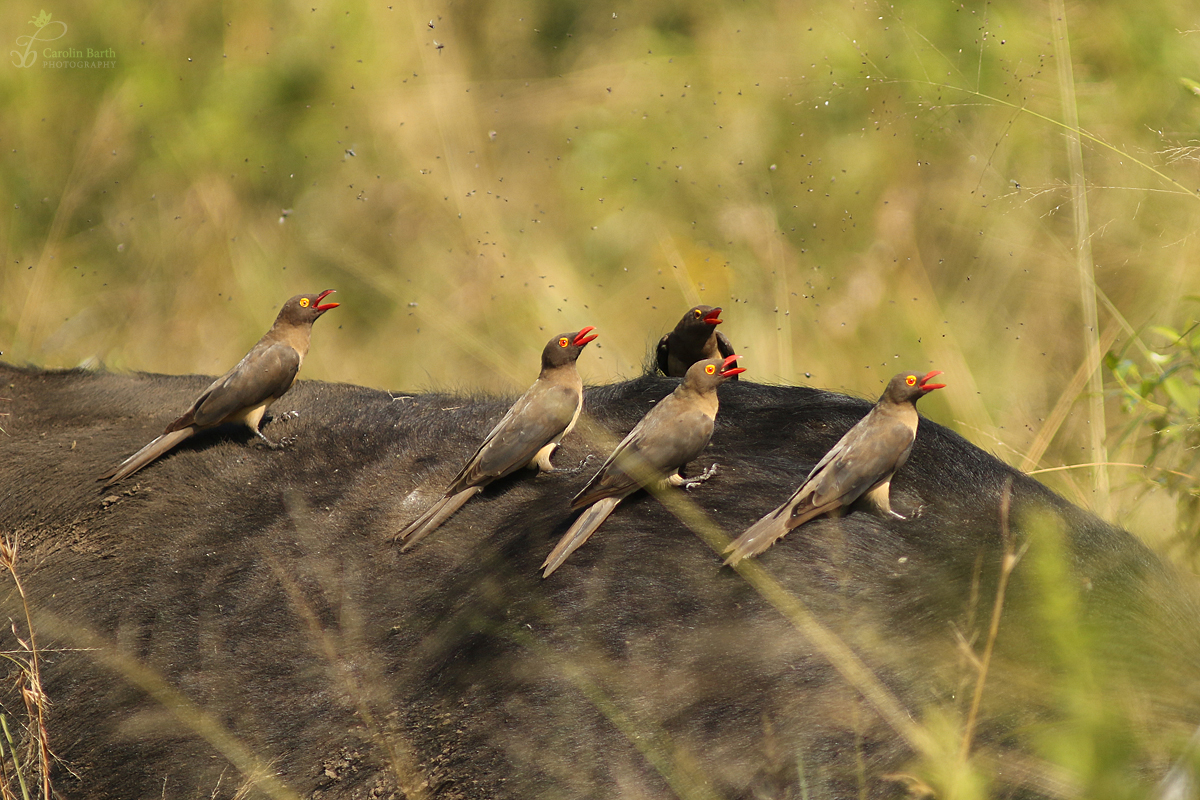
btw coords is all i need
(861, 463)
(526, 436)
(244, 393)
(668, 437)
(694, 339)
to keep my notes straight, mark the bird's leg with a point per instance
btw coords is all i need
(583, 464)
(691, 483)
(880, 497)
(284, 442)
(541, 460)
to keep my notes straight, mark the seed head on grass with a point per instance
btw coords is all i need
(29, 681)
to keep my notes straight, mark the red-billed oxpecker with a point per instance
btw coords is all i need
(526, 436)
(245, 392)
(860, 464)
(668, 437)
(695, 338)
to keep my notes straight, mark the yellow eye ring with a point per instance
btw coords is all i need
(563, 342)
(710, 369)
(304, 302)
(911, 380)
(697, 313)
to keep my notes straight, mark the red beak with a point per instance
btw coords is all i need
(929, 387)
(713, 317)
(582, 337)
(317, 305)
(726, 372)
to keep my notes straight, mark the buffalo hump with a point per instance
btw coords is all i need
(259, 594)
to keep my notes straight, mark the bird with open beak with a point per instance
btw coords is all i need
(694, 339)
(526, 436)
(668, 437)
(861, 464)
(245, 392)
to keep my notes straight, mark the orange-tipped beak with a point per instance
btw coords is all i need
(317, 305)
(726, 372)
(713, 317)
(929, 387)
(582, 337)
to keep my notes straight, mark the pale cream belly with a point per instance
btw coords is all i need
(252, 416)
(541, 461)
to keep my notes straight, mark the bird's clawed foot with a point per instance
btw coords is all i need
(691, 483)
(582, 464)
(293, 414)
(282, 443)
(916, 511)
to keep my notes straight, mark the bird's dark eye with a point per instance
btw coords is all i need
(697, 313)
(563, 342)
(911, 380)
(304, 302)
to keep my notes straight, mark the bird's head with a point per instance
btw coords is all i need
(566, 347)
(711, 373)
(700, 317)
(909, 387)
(305, 308)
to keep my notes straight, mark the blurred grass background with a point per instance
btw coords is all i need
(864, 187)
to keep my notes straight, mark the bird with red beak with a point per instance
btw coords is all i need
(671, 434)
(245, 392)
(861, 464)
(526, 436)
(695, 338)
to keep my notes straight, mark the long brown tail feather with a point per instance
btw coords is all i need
(771, 528)
(578, 533)
(146, 455)
(812, 512)
(434, 516)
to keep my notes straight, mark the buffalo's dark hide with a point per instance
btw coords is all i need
(264, 589)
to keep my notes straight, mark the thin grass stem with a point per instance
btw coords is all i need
(1007, 564)
(16, 759)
